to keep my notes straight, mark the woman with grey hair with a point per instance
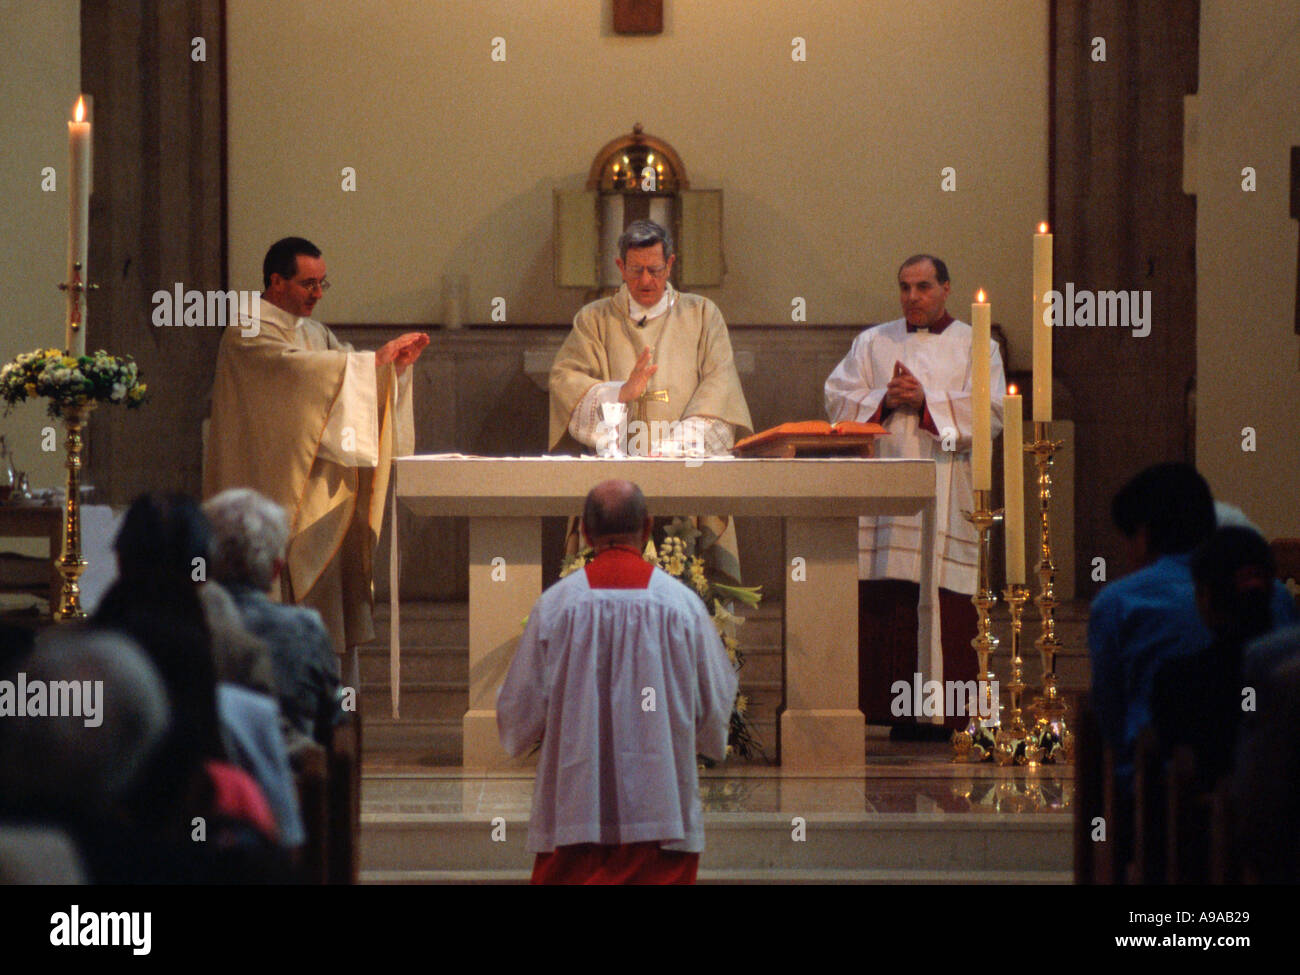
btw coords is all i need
(249, 535)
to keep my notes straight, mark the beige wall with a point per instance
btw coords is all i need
(1247, 349)
(831, 167)
(39, 75)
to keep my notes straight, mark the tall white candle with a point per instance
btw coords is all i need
(1013, 503)
(1041, 330)
(981, 313)
(79, 170)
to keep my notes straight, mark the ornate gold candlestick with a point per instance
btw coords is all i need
(1053, 740)
(1013, 732)
(974, 744)
(70, 563)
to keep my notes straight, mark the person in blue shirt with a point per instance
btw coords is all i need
(1150, 616)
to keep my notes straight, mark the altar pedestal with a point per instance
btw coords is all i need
(820, 501)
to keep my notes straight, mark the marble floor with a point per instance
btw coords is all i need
(898, 778)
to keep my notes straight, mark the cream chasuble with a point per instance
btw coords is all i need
(696, 377)
(303, 419)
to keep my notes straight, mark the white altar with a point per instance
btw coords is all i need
(819, 500)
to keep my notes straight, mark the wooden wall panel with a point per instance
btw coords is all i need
(157, 219)
(1122, 222)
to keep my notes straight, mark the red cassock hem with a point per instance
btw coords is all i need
(626, 863)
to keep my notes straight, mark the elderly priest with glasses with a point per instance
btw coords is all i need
(657, 359)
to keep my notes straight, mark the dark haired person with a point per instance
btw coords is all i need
(1150, 616)
(621, 674)
(1197, 699)
(155, 600)
(913, 375)
(312, 424)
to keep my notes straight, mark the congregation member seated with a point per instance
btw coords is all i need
(1149, 616)
(66, 780)
(241, 657)
(249, 536)
(1269, 652)
(156, 600)
(1265, 798)
(1197, 700)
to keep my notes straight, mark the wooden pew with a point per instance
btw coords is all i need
(1149, 808)
(1190, 817)
(311, 778)
(1089, 797)
(344, 815)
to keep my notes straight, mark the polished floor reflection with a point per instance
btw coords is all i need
(898, 778)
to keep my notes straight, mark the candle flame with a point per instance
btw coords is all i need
(1042, 227)
(979, 296)
(1013, 390)
(79, 113)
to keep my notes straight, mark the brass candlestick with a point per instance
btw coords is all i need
(975, 743)
(70, 563)
(1011, 734)
(1052, 738)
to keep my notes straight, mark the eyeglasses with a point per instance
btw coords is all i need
(311, 284)
(657, 271)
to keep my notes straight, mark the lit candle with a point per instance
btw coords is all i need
(1013, 504)
(1041, 330)
(981, 404)
(79, 169)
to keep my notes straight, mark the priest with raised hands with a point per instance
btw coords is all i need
(661, 355)
(314, 425)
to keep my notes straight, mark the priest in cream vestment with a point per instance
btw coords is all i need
(663, 353)
(314, 425)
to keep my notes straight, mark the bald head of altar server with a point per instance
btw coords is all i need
(615, 514)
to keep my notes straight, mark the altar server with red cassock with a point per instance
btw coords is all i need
(913, 375)
(622, 676)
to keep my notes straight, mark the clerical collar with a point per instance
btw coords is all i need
(276, 315)
(944, 321)
(640, 314)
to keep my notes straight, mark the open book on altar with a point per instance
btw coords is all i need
(813, 438)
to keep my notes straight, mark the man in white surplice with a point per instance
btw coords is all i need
(312, 424)
(621, 674)
(913, 375)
